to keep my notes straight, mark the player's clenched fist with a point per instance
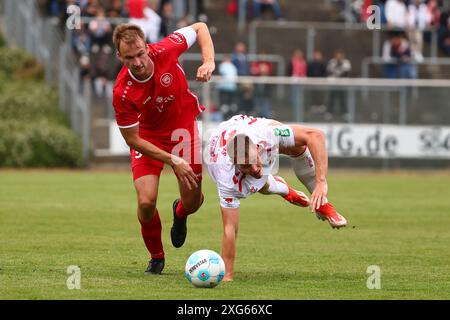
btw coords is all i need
(205, 71)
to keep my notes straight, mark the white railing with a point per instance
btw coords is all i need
(311, 29)
(367, 61)
(404, 89)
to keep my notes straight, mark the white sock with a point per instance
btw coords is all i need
(305, 170)
(276, 187)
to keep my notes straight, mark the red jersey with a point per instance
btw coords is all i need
(163, 102)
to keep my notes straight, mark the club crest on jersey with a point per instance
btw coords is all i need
(176, 38)
(166, 79)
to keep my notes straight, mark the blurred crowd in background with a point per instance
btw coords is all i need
(411, 22)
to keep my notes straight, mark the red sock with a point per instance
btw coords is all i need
(151, 233)
(182, 212)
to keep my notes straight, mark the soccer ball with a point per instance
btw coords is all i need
(205, 269)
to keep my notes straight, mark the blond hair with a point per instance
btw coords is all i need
(127, 33)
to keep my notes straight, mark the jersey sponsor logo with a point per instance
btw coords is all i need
(166, 79)
(282, 132)
(176, 38)
(161, 101)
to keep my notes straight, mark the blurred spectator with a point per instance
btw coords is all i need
(228, 87)
(91, 8)
(100, 29)
(317, 67)
(443, 19)
(83, 3)
(168, 23)
(135, 8)
(338, 67)
(297, 69)
(443, 27)
(398, 58)
(362, 12)
(56, 8)
(262, 5)
(102, 76)
(153, 23)
(147, 19)
(381, 4)
(239, 59)
(200, 15)
(297, 65)
(81, 41)
(85, 64)
(396, 14)
(115, 9)
(418, 20)
(232, 7)
(263, 91)
(261, 67)
(246, 99)
(85, 71)
(445, 39)
(434, 13)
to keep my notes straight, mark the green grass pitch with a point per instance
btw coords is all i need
(400, 222)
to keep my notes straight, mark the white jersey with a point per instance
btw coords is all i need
(232, 184)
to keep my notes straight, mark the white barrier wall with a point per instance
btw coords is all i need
(356, 140)
(386, 141)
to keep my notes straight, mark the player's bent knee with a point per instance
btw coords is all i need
(192, 205)
(148, 206)
(147, 203)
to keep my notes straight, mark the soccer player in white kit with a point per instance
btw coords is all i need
(243, 151)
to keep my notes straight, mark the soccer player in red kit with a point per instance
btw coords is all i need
(156, 113)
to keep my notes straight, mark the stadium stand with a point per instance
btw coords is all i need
(317, 28)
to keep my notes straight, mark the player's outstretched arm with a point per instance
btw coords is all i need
(230, 218)
(182, 169)
(315, 140)
(206, 44)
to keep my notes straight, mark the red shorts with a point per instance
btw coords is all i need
(185, 143)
